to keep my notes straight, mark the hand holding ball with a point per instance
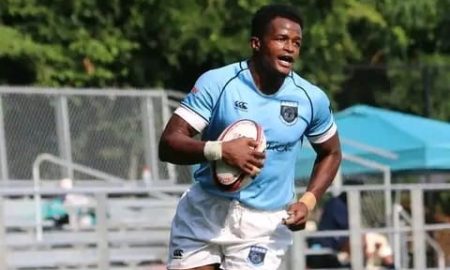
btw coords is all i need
(231, 178)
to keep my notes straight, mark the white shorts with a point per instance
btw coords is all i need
(208, 229)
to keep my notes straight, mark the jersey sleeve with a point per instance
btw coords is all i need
(322, 126)
(196, 108)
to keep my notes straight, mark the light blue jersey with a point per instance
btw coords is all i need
(298, 109)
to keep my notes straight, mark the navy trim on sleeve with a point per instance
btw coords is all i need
(315, 135)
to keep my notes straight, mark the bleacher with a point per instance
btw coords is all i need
(137, 233)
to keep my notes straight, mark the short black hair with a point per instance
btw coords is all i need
(266, 14)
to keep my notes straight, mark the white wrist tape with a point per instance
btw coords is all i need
(213, 150)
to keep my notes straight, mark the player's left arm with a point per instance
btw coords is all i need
(324, 170)
(324, 138)
(325, 166)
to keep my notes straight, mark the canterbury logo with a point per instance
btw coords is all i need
(177, 254)
(241, 105)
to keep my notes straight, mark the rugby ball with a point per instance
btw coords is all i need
(230, 178)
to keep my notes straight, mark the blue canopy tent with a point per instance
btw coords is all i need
(404, 142)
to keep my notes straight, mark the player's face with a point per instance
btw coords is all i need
(280, 45)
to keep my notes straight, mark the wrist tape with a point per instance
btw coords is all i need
(309, 199)
(213, 150)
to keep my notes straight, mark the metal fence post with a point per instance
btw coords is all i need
(150, 138)
(397, 237)
(63, 132)
(102, 231)
(3, 155)
(418, 224)
(356, 245)
(3, 249)
(166, 115)
(297, 254)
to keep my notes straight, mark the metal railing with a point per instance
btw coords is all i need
(418, 229)
(72, 166)
(399, 214)
(295, 258)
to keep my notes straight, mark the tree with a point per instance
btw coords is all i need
(65, 43)
(405, 56)
(356, 50)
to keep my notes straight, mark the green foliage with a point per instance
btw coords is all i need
(416, 54)
(70, 43)
(156, 43)
(328, 43)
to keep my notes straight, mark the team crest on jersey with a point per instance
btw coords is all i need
(289, 112)
(257, 255)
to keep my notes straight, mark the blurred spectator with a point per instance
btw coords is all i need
(335, 217)
(378, 250)
(78, 206)
(55, 212)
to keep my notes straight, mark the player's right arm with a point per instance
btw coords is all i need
(178, 146)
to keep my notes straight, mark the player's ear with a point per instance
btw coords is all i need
(255, 43)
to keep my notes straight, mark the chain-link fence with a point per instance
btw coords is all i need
(113, 131)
